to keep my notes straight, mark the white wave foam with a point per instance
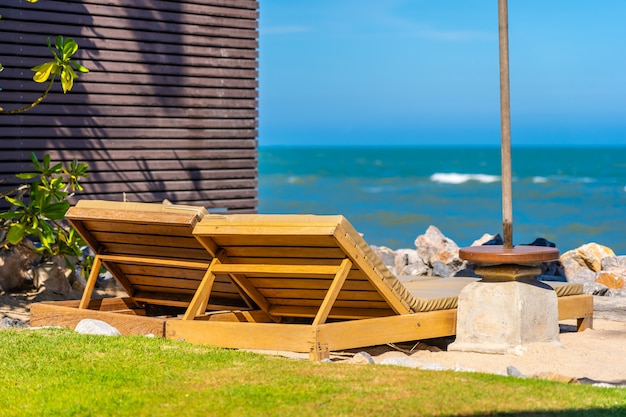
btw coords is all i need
(540, 180)
(456, 178)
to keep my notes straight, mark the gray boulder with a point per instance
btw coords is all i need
(9, 323)
(407, 262)
(388, 256)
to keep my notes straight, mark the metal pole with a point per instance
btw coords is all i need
(505, 125)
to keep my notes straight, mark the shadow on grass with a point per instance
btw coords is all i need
(586, 412)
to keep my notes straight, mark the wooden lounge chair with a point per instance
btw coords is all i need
(319, 288)
(151, 252)
(299, 283)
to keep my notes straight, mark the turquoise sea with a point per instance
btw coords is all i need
(569, 196)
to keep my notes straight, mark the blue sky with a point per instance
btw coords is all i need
(423, 72)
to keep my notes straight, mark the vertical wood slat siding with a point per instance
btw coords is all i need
(168, 111)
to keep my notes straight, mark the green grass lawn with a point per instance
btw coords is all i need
(59, 373)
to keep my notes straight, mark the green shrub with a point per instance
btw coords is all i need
(37, 209)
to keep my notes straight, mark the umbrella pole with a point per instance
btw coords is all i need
(505, 125)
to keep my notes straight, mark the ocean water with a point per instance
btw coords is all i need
(570, 196)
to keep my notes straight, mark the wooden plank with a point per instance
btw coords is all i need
(133, 227)
(159, 252)
(49, 314)
(578, 307)
(166, 262)
(336, 312)
(310, 284)
(112, 304)
(332, 293)
(157, 272)
(13, 44)
(377, 331)
(252, 239)
(328, 256)
(201, 296)
(180, 220)
(311, 302)
(115, 121)
(129, 79)
(220, 186)
(344, 238)
(271, 270)
(179, 242)
(267, 336)
(96, 153)
(175, 284)
(233, 7)
(314, 294)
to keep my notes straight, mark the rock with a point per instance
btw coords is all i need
(96, 327)
(434, 247)
(612, 280)
(609, 308)
(495, 240)
(542, 242)
(9, 323)
(594, 288)
(513, 371)
(361, 358)
(15, 266)
(52, 275)
(591, 255)
(575, 268)
(447, 270)
(407, 262)
(388, 256)
(487, 238)
(614, 263)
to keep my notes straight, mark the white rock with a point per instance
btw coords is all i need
(96, 327)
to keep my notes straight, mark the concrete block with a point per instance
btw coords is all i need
(502, 317)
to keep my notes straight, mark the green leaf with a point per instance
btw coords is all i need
(27, 175)
(69, 48)
(16, 233)
(15, 202)
(46, 162)
(9, 215)
(56, 211)
(59, 43)
(79, 67)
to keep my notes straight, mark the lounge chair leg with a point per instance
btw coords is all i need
(91, 283)
(319, 353)
(584, 323)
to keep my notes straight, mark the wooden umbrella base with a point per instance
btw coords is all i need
(508, 308)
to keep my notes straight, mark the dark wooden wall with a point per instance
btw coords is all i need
(168, 111)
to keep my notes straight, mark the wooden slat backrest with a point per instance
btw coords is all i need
(290, 263)
(151, 251)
